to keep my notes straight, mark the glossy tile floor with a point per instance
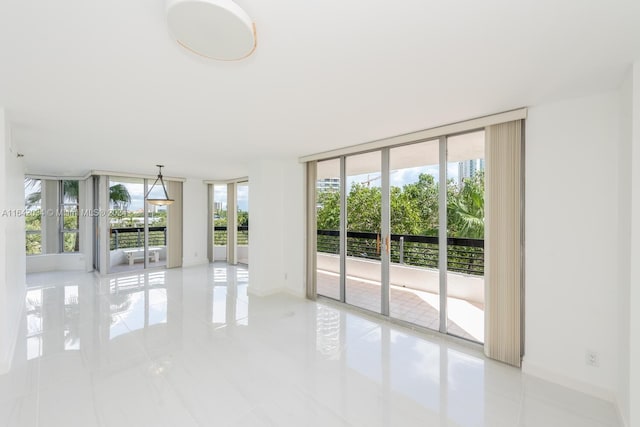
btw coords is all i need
(190, 347)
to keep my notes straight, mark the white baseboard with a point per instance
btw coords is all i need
(194, 262)
(300, 293)
(572, 383)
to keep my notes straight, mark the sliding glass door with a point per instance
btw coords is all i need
(329, 211)
(414, 192)
(364, 245)
(465, 236)
(400, 232)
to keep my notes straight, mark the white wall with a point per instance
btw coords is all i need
(572, 248)
(624, 244)
(276, 226)
(12, 244)
(194, 228)
(634, 276)
(56, 262)
(294, 240)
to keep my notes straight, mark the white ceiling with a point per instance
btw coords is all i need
(101, 85)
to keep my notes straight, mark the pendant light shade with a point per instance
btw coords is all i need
(216, 29)
(159, 201)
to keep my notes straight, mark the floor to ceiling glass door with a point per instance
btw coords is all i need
(414, 209)
(364, 239)
(382, 243)
(465, 236)
(328, 206)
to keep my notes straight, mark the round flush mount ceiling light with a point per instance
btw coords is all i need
(216, 29)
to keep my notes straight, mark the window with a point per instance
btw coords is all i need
(51, 216)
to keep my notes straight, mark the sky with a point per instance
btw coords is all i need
(401, 177)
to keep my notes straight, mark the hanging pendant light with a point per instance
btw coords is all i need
(159, 201)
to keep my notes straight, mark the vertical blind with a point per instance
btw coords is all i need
(503, 238)
(232, 224)
(312, 236)
(174, 225)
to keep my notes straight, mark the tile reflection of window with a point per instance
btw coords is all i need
(465, 383)
(34, 323)
(328, 332)
(157, 278)
(242, 276)
(230, 307)
(364, 347)
(415, 369)
(137, 301)
(72, 318)
(242, 306)
(134, 316)
(219, 305)
(157, 306)
(220, 275)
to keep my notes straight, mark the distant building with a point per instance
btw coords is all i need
(468, 168)
(328, 184)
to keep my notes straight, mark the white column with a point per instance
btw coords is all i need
(12, 245)
(195, 227)
(276, 244)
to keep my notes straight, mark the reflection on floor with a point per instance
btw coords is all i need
(121, 268)
(466, 319)
(192, 347)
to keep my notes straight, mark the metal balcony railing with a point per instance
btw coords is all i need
(463, 255)
(220, 235)
(133, 237)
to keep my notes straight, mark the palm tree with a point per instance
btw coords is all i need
(119, 196)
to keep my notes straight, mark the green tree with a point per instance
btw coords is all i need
(364, 207)
(423, 196)
(414, 208)
(466, 208)
(328, 210)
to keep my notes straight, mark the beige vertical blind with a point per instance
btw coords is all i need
(174, 225)
(232, 223)
(503, 238)
(50, 198)
(312, 236)
(210, 223)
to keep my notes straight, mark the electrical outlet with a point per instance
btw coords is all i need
(592, 358)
